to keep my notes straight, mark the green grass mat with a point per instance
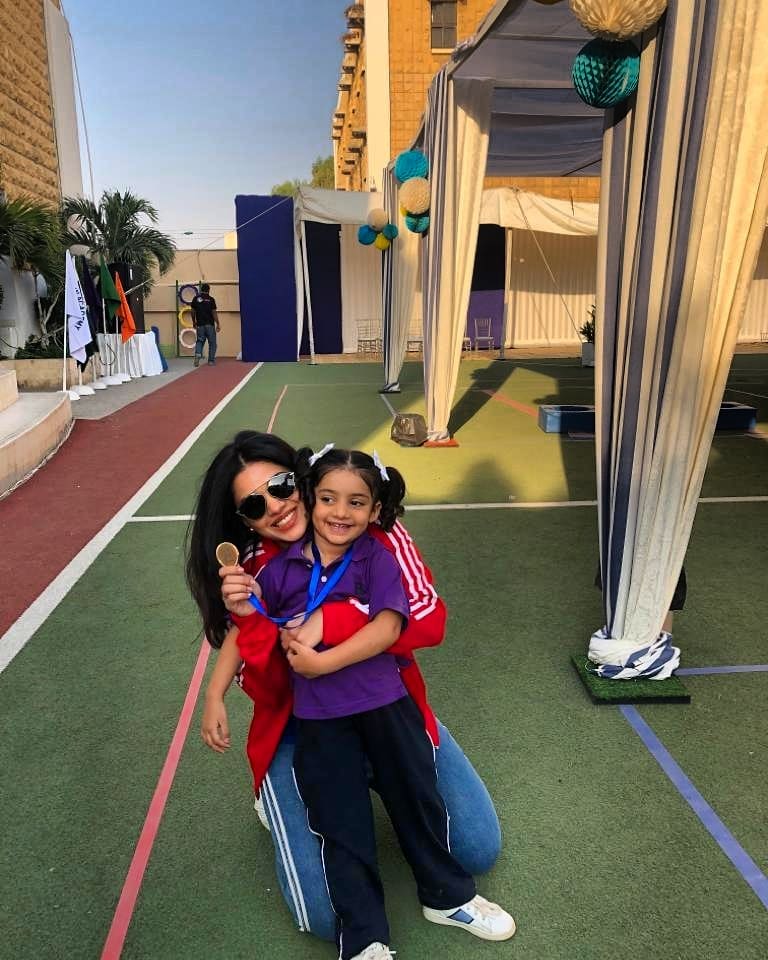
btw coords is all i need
(629, 691)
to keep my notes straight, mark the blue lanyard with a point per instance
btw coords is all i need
(316, 595)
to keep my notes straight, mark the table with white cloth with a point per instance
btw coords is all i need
(138, 357)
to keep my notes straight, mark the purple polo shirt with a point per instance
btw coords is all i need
(374, 578)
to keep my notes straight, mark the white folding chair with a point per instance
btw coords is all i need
(483, 334)
(415, 342)
(366, 338)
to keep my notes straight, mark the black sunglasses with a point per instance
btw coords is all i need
(281, 487)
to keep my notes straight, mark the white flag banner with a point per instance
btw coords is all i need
(78, 330)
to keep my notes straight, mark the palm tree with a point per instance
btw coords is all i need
(114, 229)
(28, 229)
(31, 238)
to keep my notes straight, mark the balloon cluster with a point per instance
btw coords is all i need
(606, 70)
(378, 230)
(411, 171)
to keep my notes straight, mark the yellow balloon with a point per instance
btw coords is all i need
(184, 320)
(381, 242)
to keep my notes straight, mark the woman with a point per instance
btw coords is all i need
(248, 497)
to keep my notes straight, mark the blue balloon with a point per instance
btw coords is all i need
(390, 231)
(417, 223)
(410, 164)
(606, 73)
(366, 235)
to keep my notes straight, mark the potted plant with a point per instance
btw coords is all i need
(587, 333)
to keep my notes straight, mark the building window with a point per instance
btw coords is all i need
(443, 24)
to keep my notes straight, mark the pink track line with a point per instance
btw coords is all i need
(113, 945)
(521, 407)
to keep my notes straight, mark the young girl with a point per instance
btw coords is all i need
(352, 710)
(248, 496)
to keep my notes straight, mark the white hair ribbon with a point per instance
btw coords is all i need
(320, 453)
(380, 466)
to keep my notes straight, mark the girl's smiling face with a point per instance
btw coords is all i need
(285, 521)
(344, 506)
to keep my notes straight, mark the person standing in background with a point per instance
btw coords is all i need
(206, 321)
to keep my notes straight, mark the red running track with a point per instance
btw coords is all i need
(50, 518)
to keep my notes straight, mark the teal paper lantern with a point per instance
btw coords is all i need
(411, 163)
(417, 224)
(366, 235)
(604, 74)
(390, 231)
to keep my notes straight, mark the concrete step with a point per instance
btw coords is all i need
(8, 388)
(30, 430)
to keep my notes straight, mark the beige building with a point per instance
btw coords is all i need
(392, 49)
(39, 149)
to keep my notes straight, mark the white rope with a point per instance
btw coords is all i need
(196, 253)
(546, 264)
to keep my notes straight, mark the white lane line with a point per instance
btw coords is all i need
(18, 634)
(276, 408)
(529, 505)
(388, 404)
(746, 393)
(503, 505)
(170, 518)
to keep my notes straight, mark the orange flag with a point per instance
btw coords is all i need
(127, 325)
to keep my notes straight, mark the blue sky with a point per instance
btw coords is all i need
(189, 103)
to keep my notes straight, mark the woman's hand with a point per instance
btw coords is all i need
(215, 726)
(236, 588)
(305, 661)
(308, 634)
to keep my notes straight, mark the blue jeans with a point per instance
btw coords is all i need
(206, 331)
(475, 833)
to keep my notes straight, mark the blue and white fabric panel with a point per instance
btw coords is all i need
(682, 214)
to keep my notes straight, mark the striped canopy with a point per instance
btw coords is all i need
(684, 198)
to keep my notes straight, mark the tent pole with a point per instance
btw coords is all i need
(307, 293)
(506, 318)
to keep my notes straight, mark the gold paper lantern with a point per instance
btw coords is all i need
(617, 19)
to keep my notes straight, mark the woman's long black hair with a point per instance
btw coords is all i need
(216, 521)
(390, 493)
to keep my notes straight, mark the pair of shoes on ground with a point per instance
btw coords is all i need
(211, 363)
(479, 917)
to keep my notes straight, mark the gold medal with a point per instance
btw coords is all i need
(227, 554)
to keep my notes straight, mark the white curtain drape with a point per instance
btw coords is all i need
(360, 285)
(521, 210)
(456, 141)
(685, 197)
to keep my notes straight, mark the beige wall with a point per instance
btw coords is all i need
(412, 64)
(403, 35)
(349, 118)
(217, 267)
(28, 161)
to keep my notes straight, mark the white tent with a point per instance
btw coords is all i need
(684, 198)
(505, 104)
(360, 265)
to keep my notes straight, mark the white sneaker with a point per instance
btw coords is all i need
(258, 806)
(375, 951)
(479, 917)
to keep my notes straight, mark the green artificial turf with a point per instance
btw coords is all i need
(89, 707)
(629, 691)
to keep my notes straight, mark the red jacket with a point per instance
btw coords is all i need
(265, 675)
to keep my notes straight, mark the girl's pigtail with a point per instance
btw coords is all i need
(391, 496)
